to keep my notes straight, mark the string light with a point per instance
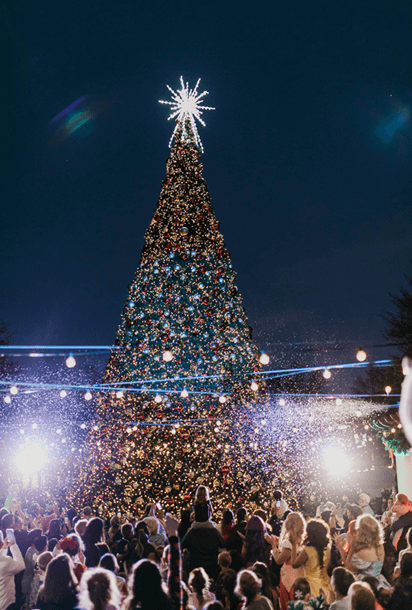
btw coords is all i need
(63, 393)
(119, 394)
(264, 358)
(88, 396)
(254, 386)
(222, 399)
(388, 389)
(7, 399)
(327, 374)
(361, 355)
(167, 356)
(158, 398)
(184, 393)
(338, 401)
(13, 390)
(282, 402)
(70, 361)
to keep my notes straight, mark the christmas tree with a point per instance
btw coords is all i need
(181, 400)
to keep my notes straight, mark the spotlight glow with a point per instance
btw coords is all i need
(158, 398)
(335, 460)
(31, 459)
(222, 399)
(388, 389)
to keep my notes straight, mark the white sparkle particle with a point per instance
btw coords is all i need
(187, 105)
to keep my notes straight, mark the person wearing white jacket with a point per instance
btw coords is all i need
(9, 566)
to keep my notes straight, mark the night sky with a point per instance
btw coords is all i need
(307, 158)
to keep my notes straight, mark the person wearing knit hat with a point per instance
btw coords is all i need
(364, 500)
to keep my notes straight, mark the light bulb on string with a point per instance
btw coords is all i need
(254, 386)
(361, 355)
(158, 398)
(83, 426)
(327, 374)
(88, 396)
(167, 356)
(119, 394)
(63, 393)
(222, 399)
(13, 390)
(388, 390)
(282, 402)
(7, 399)
(264, 358)
(70, 361)
(184, 393)
(338, 401)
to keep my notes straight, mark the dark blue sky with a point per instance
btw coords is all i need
(307, 157)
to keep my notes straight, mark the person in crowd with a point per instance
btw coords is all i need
(36, 519)
(88, 513)
(146, 589)
(363, 502)
(315, 556)
(203, 543)
(248, 587)
(59, 589)
(224, 561)
(387, 515)
(42, 562)
(74, 547)
(340, 582)
(203, 504)
(92, 536)
(361, 596)
(294, 524)
(228, 523)
(231, 599)
(54, 530)
(115, 533)
(71, 516)
(216, 605)
(129, 549)
(255, 547)
(199, 584)
(301, 596)
(382, 595)
(408, 549)
(402, 592)
(279, 505)
(367, 553)
(402, 511)
(185, 523)
(234, 543)
(80, 527)
(353, 511)
(156, 537)
(262, 572)
(109, 562)
(99, 591)
(9, 566)
(142, 535)
(30, 561)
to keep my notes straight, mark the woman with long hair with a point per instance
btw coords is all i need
(267, 589)
(367, 553)
(199, 584)
(73, 546)
(99, 591)
(92, 536)
(315, 556)
(255, 547)
(59, 589)
(294, 524)
(228, 523)
(248, 586)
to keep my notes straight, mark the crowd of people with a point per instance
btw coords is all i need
(342, 558)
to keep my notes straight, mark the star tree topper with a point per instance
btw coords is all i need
(187, 106)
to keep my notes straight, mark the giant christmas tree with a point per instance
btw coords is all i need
(181, 404)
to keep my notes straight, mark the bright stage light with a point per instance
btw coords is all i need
(335, 460)
(361, 355)
(70, 362)
(13, 390)
(31, 459)
(264, 359)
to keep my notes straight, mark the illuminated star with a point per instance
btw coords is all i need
(187, 106)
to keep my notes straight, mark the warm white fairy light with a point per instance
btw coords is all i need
(187, 106)
(327, 374)
(13, 390)
(184, 393)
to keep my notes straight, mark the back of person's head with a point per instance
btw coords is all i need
(409, 537)
(115, 521)
(34, 509)
(59, 580)
(402, 499)
(301, 588)
(215, 605)
(293, 522)
(33, 535)
(202, 494)
(145, 588)
(51, 544)
(94, 530)
(198, 581)
(259, 512)
(277, 494)
(224, 559)
(363, 587)
(363, 599)
(7, 521)
(229, 582)
(44, 559)
(54, 529)
(247, 585)
(127, 530)
(103, 548)
(354, 510)
(228, 517)
(80, 527)
(325, 515)
(87, 511)
(109, 562)
(3, 511)
(342, 580)
(406, 565)
(98, 588)
(40, 543)
(241, 514)
(263, 573)
(152, 525)
(71, 514)
(71, 544)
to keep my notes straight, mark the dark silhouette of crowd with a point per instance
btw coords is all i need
(340, 557)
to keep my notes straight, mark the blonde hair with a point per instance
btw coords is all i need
(152, 525)
(368, 533)
(81, 527)
(292, 522)
(202, 494)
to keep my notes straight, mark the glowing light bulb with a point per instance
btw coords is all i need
(167, 356)
(83, 426)
(366, 427)
(327, 374)
(263, 422)
(58, 431)
(63, 393)
(393, 430)
(119, 394)
(95, 428)
(70, 362)
(34, 426)
(88, 396)
(254, 386)
(399, 426)
(338, 401)
(173, 430)
(361, 355)
(158, 398)
(282, 402)
(184, 393)
(388, 389)
(7, 399)
(222, 399)
(264, 358)
(13, 390)
(359, 413)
